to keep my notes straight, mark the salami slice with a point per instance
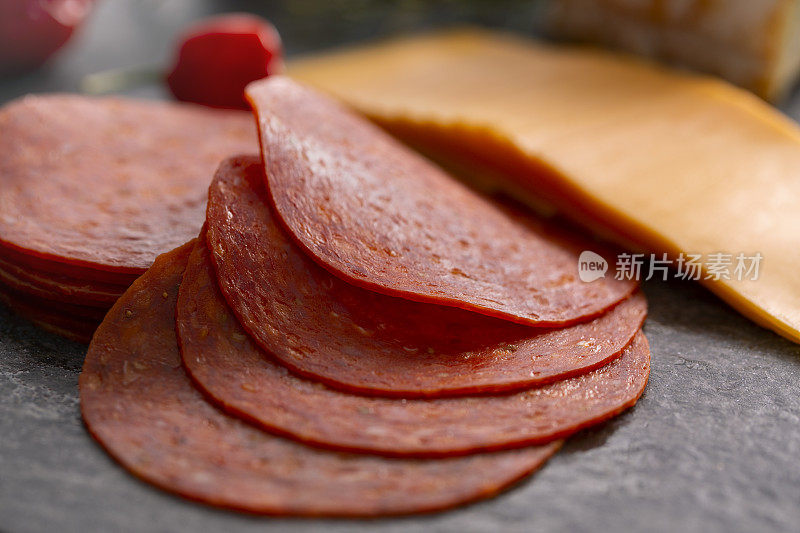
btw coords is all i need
(107, 184)
(59, 287)
(94, 314)
(46, 267)
(139, 404)
(382, 217)
(67, 322)
(232, 370)
(362, 341)
(72, 329)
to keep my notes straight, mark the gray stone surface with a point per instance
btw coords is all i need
(712, 446)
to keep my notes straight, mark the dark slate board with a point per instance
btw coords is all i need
(712, 446)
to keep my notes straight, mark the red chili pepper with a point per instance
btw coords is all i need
(219, 56)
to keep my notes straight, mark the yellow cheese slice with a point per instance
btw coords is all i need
(666, 161)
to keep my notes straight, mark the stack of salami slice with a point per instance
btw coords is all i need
(354, 333)
(92, 190)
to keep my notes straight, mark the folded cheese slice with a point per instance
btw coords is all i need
(659, 160)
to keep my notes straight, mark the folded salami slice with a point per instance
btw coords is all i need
(359, 340)
(382, 217)
(139, 404)
(107, 184)
(230, 368)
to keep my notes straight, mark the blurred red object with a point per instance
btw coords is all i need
(220, 55)
(32, 30)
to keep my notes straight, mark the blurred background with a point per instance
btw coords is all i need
(142, 33)
(754, 43)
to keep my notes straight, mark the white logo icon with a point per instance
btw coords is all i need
(591, 266)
